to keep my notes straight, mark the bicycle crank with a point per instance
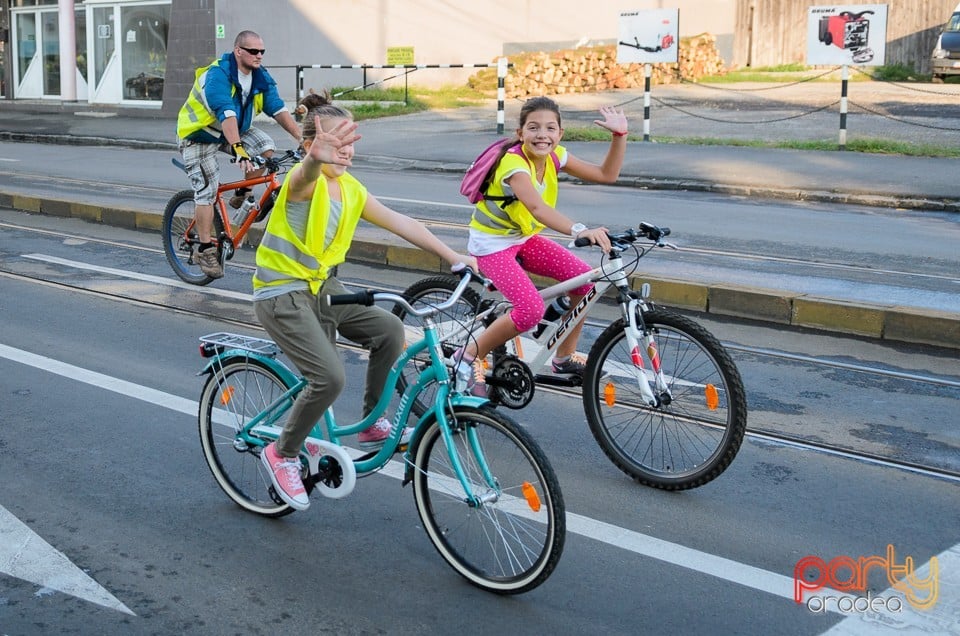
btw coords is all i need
(512, 383)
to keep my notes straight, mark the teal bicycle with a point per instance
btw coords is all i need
(487, 496)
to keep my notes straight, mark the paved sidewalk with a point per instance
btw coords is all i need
(449, 140)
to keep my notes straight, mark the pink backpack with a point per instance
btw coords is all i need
(477, 179)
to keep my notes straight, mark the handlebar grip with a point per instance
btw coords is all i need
(582, 242)
(653, 232)
(360, 298)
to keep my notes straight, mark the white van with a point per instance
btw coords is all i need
(946, 54)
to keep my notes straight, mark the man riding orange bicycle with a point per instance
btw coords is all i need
(218, 113)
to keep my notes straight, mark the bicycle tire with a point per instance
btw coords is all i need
(512, 541)
(675, 446)
(432, 291)
(177, 217)
(233, 394)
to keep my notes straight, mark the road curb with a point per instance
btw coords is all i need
(882, 322)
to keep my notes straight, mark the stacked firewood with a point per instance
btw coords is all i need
(596, 69)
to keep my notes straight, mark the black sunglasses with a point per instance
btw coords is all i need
(254, 51)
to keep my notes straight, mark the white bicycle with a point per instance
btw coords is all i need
(662, 396)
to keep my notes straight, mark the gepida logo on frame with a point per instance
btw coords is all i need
(846, 574)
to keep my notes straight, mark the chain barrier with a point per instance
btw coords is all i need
(758, 121)
(805, 113)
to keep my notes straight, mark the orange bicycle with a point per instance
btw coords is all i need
(229, 226)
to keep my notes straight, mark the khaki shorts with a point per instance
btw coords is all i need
(203, 166)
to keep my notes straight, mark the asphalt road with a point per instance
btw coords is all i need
(101, 455)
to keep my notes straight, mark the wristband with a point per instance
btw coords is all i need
(619, 134)
(576, 229)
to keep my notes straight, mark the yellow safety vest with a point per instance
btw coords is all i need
(195, 114)
(516, 219)
(283, 258)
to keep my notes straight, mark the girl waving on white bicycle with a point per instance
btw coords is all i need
(505, 237)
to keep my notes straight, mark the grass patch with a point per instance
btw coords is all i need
(593, 133)
(872, 146)
(866, 145)
(788, 73)
(413, 99)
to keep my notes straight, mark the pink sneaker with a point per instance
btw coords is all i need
(285, 475)
(374, 437)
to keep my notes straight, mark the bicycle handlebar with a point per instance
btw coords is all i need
(645, 230)
(368, 297)
(273, 163)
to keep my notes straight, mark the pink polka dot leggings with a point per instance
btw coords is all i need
(538, 255)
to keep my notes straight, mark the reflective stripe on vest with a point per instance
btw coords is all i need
(282, 257)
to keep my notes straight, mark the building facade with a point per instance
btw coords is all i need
(142, 53)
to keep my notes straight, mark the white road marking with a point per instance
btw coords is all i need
(24, 555)
(124, 273)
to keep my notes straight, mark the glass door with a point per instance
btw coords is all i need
(37, 53)
(26, 70)
(50, 39)
(144, 50)
(103, 46)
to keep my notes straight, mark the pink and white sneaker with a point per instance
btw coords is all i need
(285, 475)
(374, 437)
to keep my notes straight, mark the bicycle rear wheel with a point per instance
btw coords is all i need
(681, 443)
(177, 243)
(450, 327)
(511, 539)
(232, 395)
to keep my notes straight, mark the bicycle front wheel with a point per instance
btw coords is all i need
(686, 440)
(510, 538)
(453, 327)
(178, 236)
(232, 395)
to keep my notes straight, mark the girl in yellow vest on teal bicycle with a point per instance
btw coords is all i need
(309, 232)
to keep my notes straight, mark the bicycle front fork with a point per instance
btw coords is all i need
(640, 340)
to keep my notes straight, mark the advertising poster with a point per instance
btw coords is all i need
(842, 34)
(648, 36)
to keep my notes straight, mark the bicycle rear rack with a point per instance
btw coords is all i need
(247, 343)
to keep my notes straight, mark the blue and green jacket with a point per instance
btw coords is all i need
(216, 95)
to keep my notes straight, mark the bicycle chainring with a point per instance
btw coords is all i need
(513, 383)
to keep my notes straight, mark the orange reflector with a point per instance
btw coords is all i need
(530, 494)
(518, 347)
(609, 394)
(713, 398)
(226, 395)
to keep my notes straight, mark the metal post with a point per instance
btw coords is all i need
(68, 52)
(843, 107)
(501, 92)
(647, 71)
(299, 83)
